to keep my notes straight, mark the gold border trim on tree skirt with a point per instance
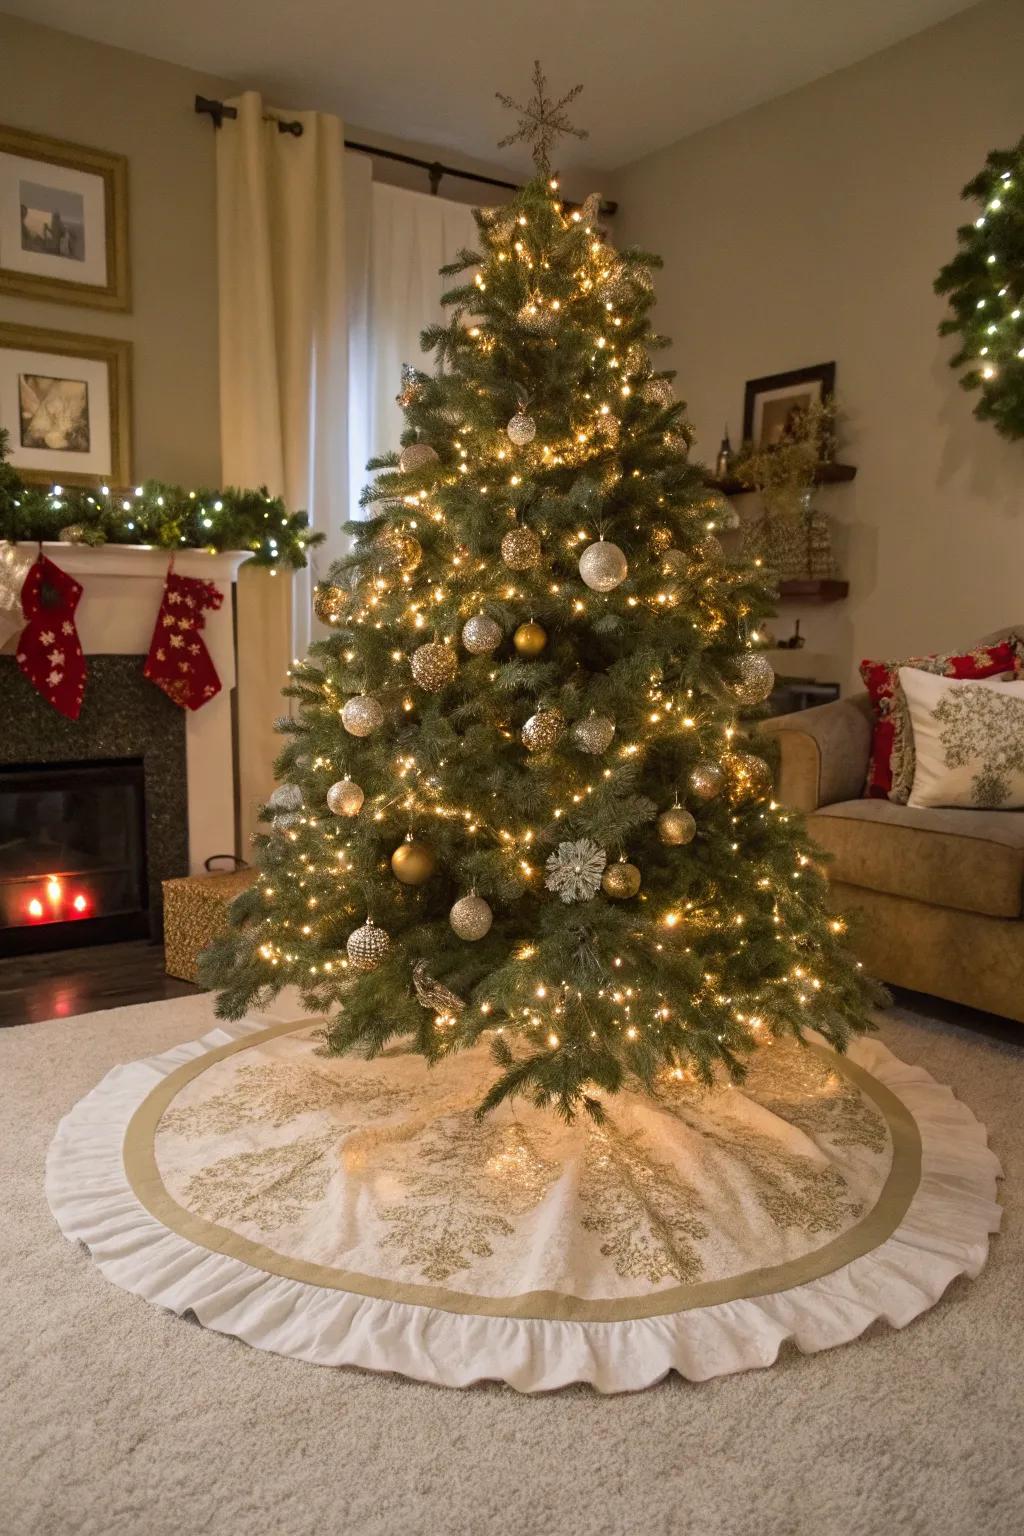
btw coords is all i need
(868, 1234)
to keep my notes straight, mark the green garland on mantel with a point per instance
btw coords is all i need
(163, 516)
(985, 286)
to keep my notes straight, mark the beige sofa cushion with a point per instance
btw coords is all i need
(972, 861)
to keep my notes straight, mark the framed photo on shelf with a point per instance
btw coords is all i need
(65, 401)
(63, 222)
(768, 403)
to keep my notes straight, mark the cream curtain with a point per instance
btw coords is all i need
(283, 382)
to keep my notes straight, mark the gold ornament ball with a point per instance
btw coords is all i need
(434, 666)
(416, 456)
(707, 780)
(658, 392)
(522, 429)
(603, 566)
(345, 798)
(471, 918)
(329, 602)
(480, 635)
(399, 550)
(362, 716)
(676, 826)
(543, 730)
(749, 776)
(756, 678)
(661, 539)
(594, 734)
(413, 862)
(530, 639)
(620, 881)
(520, 549)
(711, 549)
(367, 947)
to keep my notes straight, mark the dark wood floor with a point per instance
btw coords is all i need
(72, 981)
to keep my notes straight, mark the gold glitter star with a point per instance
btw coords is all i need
(541, 120)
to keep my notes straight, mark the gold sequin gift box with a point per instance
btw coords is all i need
(196, 913)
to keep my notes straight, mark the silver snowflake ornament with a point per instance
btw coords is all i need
(575, 870)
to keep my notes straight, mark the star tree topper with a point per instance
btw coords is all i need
(541, 120)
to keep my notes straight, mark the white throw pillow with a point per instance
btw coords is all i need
(968, 741)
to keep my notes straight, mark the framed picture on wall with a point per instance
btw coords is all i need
(769, 403)
(63, 222)
(65, 401)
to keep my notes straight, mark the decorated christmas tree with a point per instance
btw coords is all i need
(519, 798)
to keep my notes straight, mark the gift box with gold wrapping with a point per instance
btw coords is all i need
(196, 913)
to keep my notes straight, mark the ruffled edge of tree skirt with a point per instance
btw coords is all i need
(943, 1235)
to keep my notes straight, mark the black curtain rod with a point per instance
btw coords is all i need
(435, 169)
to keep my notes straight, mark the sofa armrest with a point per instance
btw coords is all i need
(823, 753)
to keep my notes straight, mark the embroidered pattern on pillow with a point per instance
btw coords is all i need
(890, 772)
(985, 730)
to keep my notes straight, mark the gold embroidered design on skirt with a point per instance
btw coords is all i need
(276, 1092)
(647, 1215)
(270, 1187)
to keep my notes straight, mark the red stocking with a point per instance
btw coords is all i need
(178, 661)
(49, 651)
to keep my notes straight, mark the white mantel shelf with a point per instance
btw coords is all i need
(122, 586)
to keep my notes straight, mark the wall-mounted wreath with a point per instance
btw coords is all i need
(985, 286)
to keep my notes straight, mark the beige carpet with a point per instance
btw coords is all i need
(117, 1419)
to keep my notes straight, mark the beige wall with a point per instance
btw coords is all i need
(810, 229)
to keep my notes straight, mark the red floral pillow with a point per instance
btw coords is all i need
(891, 764)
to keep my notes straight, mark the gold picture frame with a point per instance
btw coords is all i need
(69, 420)
(71, 213)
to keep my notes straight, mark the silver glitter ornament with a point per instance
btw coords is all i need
(603, 566)
(471, 918)
(756, 679)
(285, 820)
(416, 456)
(522, 429)
(367, 946)
(621, 881)
(520, 549)
(345, 798)
(594, 734)
(543, 730)
(676, 827)
(590, 209)
(362, 716)
(480, 635)
(706, 780)
(575, 870)
(434, 666)
(286, 797)
(675, 563)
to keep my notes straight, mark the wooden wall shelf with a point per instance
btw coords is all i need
(825, 474)
(811, 591)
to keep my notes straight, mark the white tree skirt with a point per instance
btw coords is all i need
(357, 1213)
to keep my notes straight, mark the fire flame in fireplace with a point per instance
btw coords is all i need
(60, 906)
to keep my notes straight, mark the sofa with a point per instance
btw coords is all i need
(937, 896)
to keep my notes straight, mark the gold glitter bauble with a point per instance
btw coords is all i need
(603, 566)
(542, 730)
(345, 798)
(749, 776)
(398, 549)
(620, 881)
(676, 826)
(413, 862)
(416, 456)
(520, 549)
(756, 679)
(480, 635)
(522, 429)
(362, 716)
(711, 550)
(536, 318)
(329, 602)
(434, 666)
(367, 947)
(471, 918)
(706, 780)
(675, 563)
(661, 539)
(658, 392)
(530, 639)
(594, 734)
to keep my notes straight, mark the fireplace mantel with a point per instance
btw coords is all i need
(122, 584)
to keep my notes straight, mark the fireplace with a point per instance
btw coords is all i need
(72, 854)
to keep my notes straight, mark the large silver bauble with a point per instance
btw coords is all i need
(756, 679)
(676, 826)
(706, 780)
(522, 429)
(520, 549)
(603, 566)
(471, 918)
(345, 798)
(286, 797)
(362, 716)
(434, 666)
(480, 635)
(367, 947)
(416, 456)
(543, 730)
(594, 734)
